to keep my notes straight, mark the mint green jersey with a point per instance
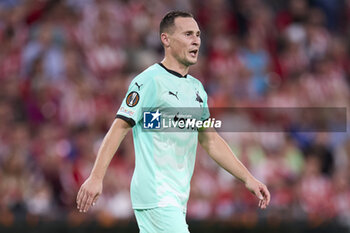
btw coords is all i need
(164, 161)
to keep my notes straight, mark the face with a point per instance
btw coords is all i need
(184, 41)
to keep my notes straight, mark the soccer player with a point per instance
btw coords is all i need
(164, 161)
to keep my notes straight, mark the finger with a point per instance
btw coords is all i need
(83, 201)
(95, 199)
(259, 195)
(92, 201)
(87, 202)
(266, 194)
(79, 197)
(263, 206)
(263, 203)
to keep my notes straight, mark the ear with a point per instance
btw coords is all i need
(164, 37)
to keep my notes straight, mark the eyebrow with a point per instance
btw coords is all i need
(192, 31)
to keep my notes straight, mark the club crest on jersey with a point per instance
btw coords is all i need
(132, 99)
(198, 98)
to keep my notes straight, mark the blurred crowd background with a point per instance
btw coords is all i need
(65, 67)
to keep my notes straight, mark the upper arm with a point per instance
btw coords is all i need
(119, 126)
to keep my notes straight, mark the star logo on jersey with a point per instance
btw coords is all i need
(172, 93)
(138, 86)
(152, 120)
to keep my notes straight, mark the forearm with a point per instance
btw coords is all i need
(219, 151)
(109, 146)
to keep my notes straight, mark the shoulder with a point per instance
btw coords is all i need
(195, 81)
(147, 76)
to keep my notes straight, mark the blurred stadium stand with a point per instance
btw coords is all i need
(65, 67)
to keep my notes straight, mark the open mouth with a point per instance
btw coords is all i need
(194, 52)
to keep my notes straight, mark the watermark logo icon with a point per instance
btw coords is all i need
(152, 120)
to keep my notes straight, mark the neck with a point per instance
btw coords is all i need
(173, 64)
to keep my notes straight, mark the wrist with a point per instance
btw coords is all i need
(248, 179)
(95, 176)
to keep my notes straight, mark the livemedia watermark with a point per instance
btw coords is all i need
(313, 119)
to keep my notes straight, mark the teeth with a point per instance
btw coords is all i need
(193, 53)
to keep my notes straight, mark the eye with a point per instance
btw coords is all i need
(188, 33)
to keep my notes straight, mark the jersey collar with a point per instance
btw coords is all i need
(172, 71)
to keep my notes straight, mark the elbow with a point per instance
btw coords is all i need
(208, 141)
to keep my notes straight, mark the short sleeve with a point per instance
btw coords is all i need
(205, 112)
(142, 94)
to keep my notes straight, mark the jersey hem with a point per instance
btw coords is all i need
(152, 206)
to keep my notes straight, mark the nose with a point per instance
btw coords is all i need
(196, 41)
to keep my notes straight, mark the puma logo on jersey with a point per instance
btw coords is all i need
(171, 93)
(198, 98)
(138, 86)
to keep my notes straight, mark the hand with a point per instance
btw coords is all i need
(260, 190)
(88, 193)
